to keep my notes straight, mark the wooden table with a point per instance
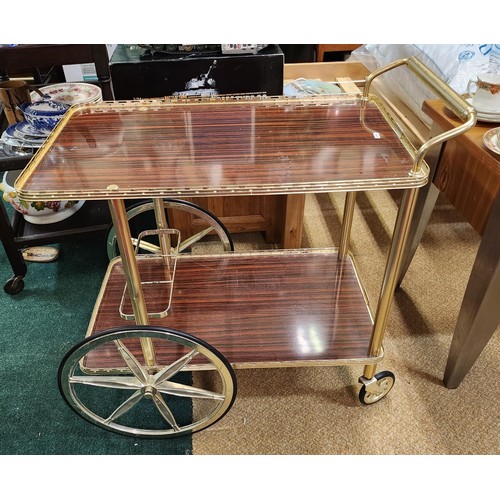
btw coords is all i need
(468, 174)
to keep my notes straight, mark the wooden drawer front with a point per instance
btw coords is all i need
(468, 182)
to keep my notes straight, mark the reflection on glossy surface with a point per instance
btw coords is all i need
(218, 148)
(309, 341)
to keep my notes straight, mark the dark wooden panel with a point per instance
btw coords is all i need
(240, 214)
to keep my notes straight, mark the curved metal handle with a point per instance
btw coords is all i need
(461, 108)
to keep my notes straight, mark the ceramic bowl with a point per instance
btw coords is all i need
(37, 212)
(44, 115)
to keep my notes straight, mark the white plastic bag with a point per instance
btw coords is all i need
(454, 64)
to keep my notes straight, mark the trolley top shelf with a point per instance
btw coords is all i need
(220, 146)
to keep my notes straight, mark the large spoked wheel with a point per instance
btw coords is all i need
(375, 389)
(141, 217)
(106, 380)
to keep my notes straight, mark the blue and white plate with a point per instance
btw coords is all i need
(17, 131)
(25, 128)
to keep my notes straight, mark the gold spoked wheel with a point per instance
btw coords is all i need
(141, 216)
(106, 380)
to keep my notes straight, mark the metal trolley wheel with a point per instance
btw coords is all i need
(132, 398)
(375, 389)
(14, 285)
(147, 208)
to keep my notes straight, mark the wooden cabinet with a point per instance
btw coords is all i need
(240, 214)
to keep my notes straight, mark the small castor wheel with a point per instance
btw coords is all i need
(14, 285)
(376, 388)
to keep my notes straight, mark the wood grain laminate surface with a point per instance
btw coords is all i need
(268, 307)
(468, 173)
(248, 147)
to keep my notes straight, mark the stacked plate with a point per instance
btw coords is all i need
(486, 115)
(70, 93)
(22, 139)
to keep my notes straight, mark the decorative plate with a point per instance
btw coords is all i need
(23, 129)
(70, 93)
(492, 140)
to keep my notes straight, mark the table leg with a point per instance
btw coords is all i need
(13, 253)
(426, 201)
(480, 311)
(101, 61)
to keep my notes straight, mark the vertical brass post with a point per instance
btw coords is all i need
(393, 265)
(345, 235)
(134, 287)
(161, 223)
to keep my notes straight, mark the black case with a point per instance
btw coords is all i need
(135, 75)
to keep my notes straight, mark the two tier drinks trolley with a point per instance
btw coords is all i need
(170, 326)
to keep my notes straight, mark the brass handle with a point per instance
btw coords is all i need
(460, 107)
(453, 101)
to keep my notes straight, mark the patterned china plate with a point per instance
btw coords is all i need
(15, 135)
(23, 129)
(492, 140)
(70, 93)
(14, 132)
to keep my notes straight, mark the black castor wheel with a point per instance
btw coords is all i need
(14, 285)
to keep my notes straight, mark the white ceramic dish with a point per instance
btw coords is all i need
(70, 93)
(23, 136)
(37, 212)
(491, 116)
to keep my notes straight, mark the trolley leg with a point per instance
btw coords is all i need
(345, 235)
(134, 287)
(161, 223)
(393, 265)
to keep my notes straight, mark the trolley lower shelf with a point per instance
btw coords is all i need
(264, 309)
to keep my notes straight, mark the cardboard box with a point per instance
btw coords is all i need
(135, 75)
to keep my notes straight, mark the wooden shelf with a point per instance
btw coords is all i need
(264, 309)
(92, 219)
